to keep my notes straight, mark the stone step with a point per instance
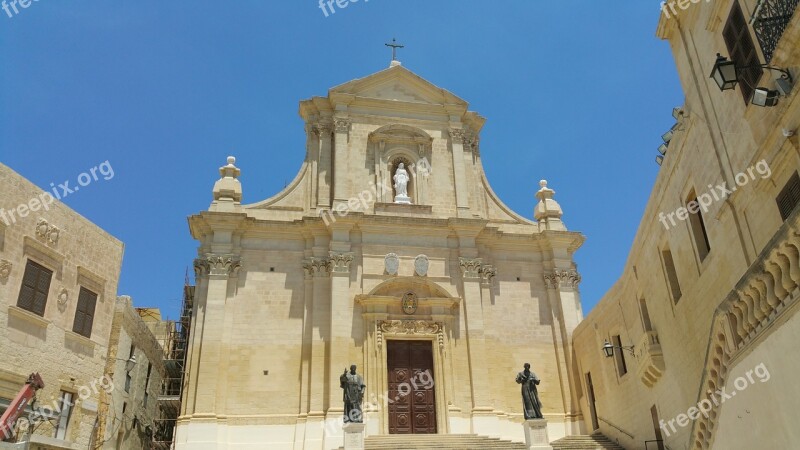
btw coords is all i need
(438, 442)
(594, 441)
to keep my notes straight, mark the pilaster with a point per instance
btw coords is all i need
(341, 182)
(457, 138)
(324, 168)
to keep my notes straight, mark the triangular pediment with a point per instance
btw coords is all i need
(398, 84)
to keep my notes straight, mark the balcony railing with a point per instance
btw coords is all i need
(770, 19)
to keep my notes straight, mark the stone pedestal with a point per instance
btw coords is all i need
(536, 435)
(353, 436)
(402, 199)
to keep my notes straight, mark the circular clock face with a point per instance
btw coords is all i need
(409, 303)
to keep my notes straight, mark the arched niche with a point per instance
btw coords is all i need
(395, 143)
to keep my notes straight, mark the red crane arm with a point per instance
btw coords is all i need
(18, 405)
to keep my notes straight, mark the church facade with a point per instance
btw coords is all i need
(420, 276)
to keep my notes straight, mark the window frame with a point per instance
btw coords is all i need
(82, 313)
(742, 51)
(36, 287)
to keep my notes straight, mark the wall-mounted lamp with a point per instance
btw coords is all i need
(608, 349)
(659, 159)
(726, 74)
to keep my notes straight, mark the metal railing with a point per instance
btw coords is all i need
(770, 19)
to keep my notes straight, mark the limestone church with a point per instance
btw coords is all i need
(439, 294)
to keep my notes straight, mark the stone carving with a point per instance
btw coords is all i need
(353, 386)
(392, 263)
(409, 326)
(421, 265)
(342, 125)
(457, 135)
(531, 406)
(470, 267)
(212, 264)
(409, 303)
(47, 232)
(401, 185)
(562, 278)
(316, 266)
(5, 269)
(63, 296)
(323, 129)
(340, 262)
(488, 273)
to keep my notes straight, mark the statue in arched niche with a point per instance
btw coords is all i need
(401, 179)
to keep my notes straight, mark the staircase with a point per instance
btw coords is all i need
(438, 442)
(594, 441)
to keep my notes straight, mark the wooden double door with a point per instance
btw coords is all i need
(412, 403)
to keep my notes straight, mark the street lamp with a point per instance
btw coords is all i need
(129, 363)
(726, 74)
(608, 349)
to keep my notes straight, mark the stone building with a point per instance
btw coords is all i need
(389, 250)
(58, 282)
(708, 296)
(129, 411)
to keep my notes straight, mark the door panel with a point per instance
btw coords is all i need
(412, 403)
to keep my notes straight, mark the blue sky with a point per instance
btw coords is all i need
(577, 92)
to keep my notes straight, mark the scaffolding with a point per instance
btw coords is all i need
(175, 342)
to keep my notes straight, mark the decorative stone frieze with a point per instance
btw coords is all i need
(411, 327)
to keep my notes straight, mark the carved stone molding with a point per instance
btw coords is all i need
(227, 265)
(562, 278)
(5, 269)
(340, 262)
(457, 135)
(46, 232)
(316, 266)
(342, 125)
(411, 327)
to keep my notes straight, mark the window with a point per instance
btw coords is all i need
(64, 413)
(742, 51)
(789, 197)
(147, 382)
(645, 315)
(671, 275)
(698, 227)
(84, 315)
(619, 356)
(35, 286)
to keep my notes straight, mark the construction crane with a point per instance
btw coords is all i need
(18, 405)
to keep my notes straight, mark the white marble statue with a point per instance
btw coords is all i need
(401, 185)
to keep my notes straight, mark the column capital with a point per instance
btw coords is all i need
(457, 135)
(487, 272)
(342, 124)
(315, 267)
(217, 265)
(560, 278)
(340, 262)
(323, 129)
(470, 267)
